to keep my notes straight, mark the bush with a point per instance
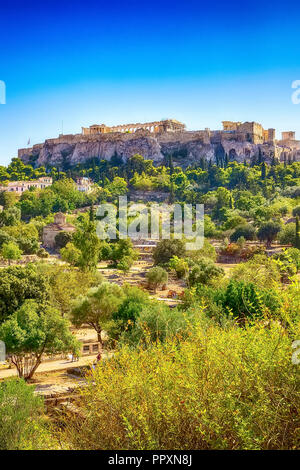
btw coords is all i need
(287, 236)
(245, 300)
(180, 267)
(219, 389)
(157, 276)
(288, 262)
(166, 249)
(232, 249)
(42, 253)
(70, 254)
(21, 413)
(207, 251)
(260, 270)
(156, 322)
(204, 272)
(247, 231)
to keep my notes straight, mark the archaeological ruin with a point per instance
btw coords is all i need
(240, 141)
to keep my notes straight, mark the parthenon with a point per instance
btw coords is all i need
(171, 125)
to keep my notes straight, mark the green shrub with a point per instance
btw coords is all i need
(42, 253)
(296, 211)
(166, 249)
(21, 417)
(247, 231)
(180, 267)
(204, 271)
(287, 236)
(231, 388)
(245, 300)
(157, 276)
(260, 270)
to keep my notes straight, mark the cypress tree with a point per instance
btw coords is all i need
(263, 171)
(297, 233)
(91, 214)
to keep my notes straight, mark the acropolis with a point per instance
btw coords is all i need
(156, 139)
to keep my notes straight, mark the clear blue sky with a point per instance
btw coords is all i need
(116, 62)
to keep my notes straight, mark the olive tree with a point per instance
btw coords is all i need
(97, 307)
(32, 332)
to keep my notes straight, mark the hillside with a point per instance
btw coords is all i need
(186, 147)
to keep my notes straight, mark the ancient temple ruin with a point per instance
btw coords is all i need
(166, 125)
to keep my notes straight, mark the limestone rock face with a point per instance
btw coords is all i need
(185, 147)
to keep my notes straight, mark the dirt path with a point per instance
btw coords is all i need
(52, 366)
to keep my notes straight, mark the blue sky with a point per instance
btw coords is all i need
(92, 62)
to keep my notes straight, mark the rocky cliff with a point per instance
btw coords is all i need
(185, 147)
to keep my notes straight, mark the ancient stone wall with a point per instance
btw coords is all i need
(186, 147)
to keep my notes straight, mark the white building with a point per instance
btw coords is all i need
(83, 184)
(21, 186)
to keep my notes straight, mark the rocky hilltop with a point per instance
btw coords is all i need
(186, 147)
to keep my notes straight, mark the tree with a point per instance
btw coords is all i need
(10, 216)
(97, 307)
(20, 416)
(297, 228)
(18, 284)
(10, 251)
(5, 238)
(263, 171)
(296, 211)
(166, 249)
(135, 301)
(28, 246)
(123, 254)
(132, 304)
(62, 239)
(269, 231)
(118, 187)
(33, 331)
(85, 239)
(157, 276)
(70, 254)
(67, 284)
